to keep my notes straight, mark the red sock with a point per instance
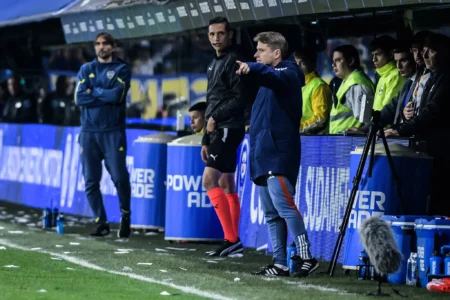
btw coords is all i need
(220, 203)
(235, 210)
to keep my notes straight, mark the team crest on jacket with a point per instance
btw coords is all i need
(110, 74)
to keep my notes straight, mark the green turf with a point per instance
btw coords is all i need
(38, 271)
(217, 278)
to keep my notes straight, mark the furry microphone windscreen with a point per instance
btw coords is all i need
(377, 239)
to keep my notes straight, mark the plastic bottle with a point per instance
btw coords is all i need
(363, 270)
(180, 121)
(60, 224)
(291, 251)
(435, 263)
(414, 270)
(409, 271)
(54, 217)
(447, 264)
(46, 218)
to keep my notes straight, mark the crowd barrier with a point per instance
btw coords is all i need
(40, 167)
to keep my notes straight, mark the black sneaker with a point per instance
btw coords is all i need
(272, 270)
(227, 248)
(304, 267)
(125, 227)
(102, 230)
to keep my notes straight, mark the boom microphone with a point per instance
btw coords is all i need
(378, 241)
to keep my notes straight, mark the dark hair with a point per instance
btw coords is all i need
(419, 39)
(384, 42)
(402, 48)
(438, 42)
(200, 106)
(350, 52)
(307, 54)
(275, 40)
(107, 36)
(220, 20)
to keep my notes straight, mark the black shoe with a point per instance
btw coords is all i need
(102, 230)
(125, 224)
(272, 270)
(227, 248)
(304, 267)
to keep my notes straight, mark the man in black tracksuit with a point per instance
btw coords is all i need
(225, 130)
(101, 90)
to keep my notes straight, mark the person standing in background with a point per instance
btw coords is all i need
(101, 91)
(390, 82)
(316, 95)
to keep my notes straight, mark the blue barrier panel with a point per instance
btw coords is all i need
(148, 176)
(322, 189)
(189, 212)
(40, 167)
(253, 229)
(378, 195)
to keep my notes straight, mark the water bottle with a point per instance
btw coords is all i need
(363, 268)
(54, 217)
(435, 264)
(60, 224)
(46, 218)
(447, 265)
(291, 251)
(180, 121)
(414, 270)
(409, 270)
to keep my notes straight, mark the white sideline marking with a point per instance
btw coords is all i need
(86, 264)
(306, 286)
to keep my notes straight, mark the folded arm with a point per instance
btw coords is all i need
(83, 92)
(117, 93)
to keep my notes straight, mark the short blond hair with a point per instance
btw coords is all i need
(275, 40)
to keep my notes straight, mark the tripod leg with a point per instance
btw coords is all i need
(348, 210)
(372, 155)
(394, 173)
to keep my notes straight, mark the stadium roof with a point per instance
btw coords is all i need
(83, 19)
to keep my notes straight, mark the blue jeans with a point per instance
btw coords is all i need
(279, 209)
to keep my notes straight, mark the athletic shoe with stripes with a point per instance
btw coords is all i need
(272, 270)
(227, 248)
(304, 267)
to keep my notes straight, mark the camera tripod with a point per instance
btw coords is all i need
(375, 128)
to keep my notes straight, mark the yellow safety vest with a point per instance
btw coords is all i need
(307, 93)
(341, 116)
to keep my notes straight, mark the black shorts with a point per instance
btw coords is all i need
(222, 150)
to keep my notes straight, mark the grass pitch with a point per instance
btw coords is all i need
(145, 266)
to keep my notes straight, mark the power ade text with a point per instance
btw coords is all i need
(196, 194)
(142, 183)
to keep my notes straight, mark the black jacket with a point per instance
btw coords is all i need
(228, 101)
(391, 114)
(431, 124)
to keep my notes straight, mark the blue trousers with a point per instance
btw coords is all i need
(111, 147)
(280, 210)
